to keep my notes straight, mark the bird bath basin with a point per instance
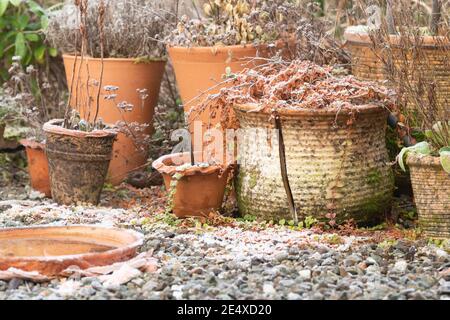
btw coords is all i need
(51, 250)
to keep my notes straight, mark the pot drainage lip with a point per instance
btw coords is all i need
(136, 240)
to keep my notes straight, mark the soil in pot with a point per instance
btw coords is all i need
(127, 75)
(78, 162)
(193, 190)
(431, 185)
(37, 166)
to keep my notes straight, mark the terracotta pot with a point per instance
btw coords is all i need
(200, 190)
(78, 162)
(128, 75)
(366, 63)
(431, 185)
(332, 167)
(199, 69)
(37, 166)
(51, 250)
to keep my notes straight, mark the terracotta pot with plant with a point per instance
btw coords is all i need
(195, 188)
(35, 100)
(132, 68)
(313, 146)
(80, 149)
(226, 38)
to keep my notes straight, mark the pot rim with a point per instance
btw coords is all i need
(170, 170)
(32, 144)
(422, 160)
(54, 126)
(362, 109)
(72, 56)
(364, 38)
(134, 245)
(216, 48)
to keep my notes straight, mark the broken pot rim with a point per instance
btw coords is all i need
(326, 112)
(32, 144)
(54, 126)
(171, 170)
(132, 246)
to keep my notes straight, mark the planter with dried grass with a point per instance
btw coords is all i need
(327, 153)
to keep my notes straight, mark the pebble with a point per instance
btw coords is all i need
(232, 263)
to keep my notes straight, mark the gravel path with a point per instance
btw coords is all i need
(243, 262)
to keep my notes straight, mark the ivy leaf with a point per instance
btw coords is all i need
(23, 21)
(39, 54)
(53, 52)
(21, 48)
(420, 148)
(44, 22)
(3, 6)
(33, 37)
(445, 158)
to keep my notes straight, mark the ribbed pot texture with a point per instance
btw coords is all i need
(431, 186)
(434, 63)
(78, 162)
(333, 167)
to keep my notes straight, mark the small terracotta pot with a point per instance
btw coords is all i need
(200, 190)
(37, 166)
(431, 185)
(78, 162)
(128, 75)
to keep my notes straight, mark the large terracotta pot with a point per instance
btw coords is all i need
(434, 61)
(431, 186)
(128, 75)
(37, 166)
(199, 191)
(78, 162)
(198, 70)
(333, 167)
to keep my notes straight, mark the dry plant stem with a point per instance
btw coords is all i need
(390, 18)
(101, 19)
(435, 16)
(283, 166)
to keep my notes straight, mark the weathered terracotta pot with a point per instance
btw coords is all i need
(37, 166)
(431, 185)
(198, 70)
(128, 75)
(199, 192)
(434, 63)
(78, 162)
(51, 250)
(333, 167)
